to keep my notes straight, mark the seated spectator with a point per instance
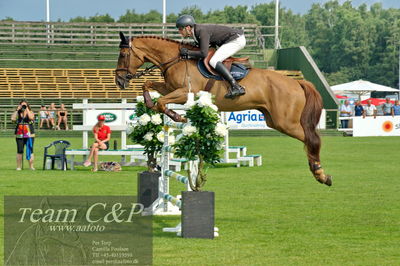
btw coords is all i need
(62, 117)
(102, 135)
(44, 116)
(387, 107)
(345, 111)
(396, 108)
(370, 109)
(52, 115)
(358, 109)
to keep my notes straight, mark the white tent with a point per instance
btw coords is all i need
(361, 88)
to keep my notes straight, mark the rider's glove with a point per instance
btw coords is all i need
(184, 53)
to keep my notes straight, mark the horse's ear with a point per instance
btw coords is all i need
(124, 40)
(122, 36)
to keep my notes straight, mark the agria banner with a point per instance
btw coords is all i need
(250, 119)
(253, 119)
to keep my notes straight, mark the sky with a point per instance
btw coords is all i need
(35, 10)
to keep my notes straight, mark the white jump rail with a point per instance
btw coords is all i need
(241, 157)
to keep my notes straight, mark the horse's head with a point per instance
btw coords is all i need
(129, 60)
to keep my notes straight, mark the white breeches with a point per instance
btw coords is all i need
(228, 49)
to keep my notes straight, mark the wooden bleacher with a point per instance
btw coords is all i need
(75, 83)
(66, 83)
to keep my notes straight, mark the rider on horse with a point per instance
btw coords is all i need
(229, 41)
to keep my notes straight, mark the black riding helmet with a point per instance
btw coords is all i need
(185, 20)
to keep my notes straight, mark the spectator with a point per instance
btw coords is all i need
(387, 107)
(24, 133)
(370, 109)
(44, 116)
(102, 135)
(52, 115)
(345, 111)
(396, 108)
(358, 109)
(62, 117)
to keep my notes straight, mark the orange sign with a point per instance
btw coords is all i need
(387, 126)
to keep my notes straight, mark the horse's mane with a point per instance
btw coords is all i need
(164, 39)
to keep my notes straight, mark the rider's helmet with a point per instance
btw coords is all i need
(185, 20)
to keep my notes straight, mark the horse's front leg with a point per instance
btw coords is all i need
(178, 96)
(160, 87)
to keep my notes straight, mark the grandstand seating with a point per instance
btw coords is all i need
(73, 83)
(66, 83)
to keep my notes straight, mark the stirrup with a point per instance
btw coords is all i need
(233, 93)
(229, 95)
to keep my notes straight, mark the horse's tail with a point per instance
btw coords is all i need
(309, 120)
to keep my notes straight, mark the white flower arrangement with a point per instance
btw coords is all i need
(154, 95)
(201, 139)
(146, 129)
(214, 107)
(203, 93)
(221, 130)
(204, 100)
(156, 119)
(188, 130)
(140, 99)
(149, 136)
(171, 139)
(144, 119)
(160, 136)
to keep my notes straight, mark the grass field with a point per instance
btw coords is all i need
(276, 214)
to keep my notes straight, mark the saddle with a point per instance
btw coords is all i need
(227, 62)
(238, 71)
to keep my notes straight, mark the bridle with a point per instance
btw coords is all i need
(166, 65)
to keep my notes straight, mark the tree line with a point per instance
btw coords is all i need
(347, 42)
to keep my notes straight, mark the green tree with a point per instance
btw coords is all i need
(101, 18)
(78, 19)
(195, 11)
(239, 14)
(8, 19)
(130, 17)
(153, 16)
(171, 18)
(216, 16)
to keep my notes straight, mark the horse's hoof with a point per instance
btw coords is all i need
(328, 180)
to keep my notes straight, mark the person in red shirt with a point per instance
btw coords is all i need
(102, 135)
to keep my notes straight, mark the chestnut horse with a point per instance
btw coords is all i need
(290, 106)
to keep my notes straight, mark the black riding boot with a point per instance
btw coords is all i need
(235, 89)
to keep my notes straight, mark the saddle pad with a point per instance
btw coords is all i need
(238, 71)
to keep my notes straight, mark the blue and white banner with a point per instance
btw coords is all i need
(254, 119)
(250, 119)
